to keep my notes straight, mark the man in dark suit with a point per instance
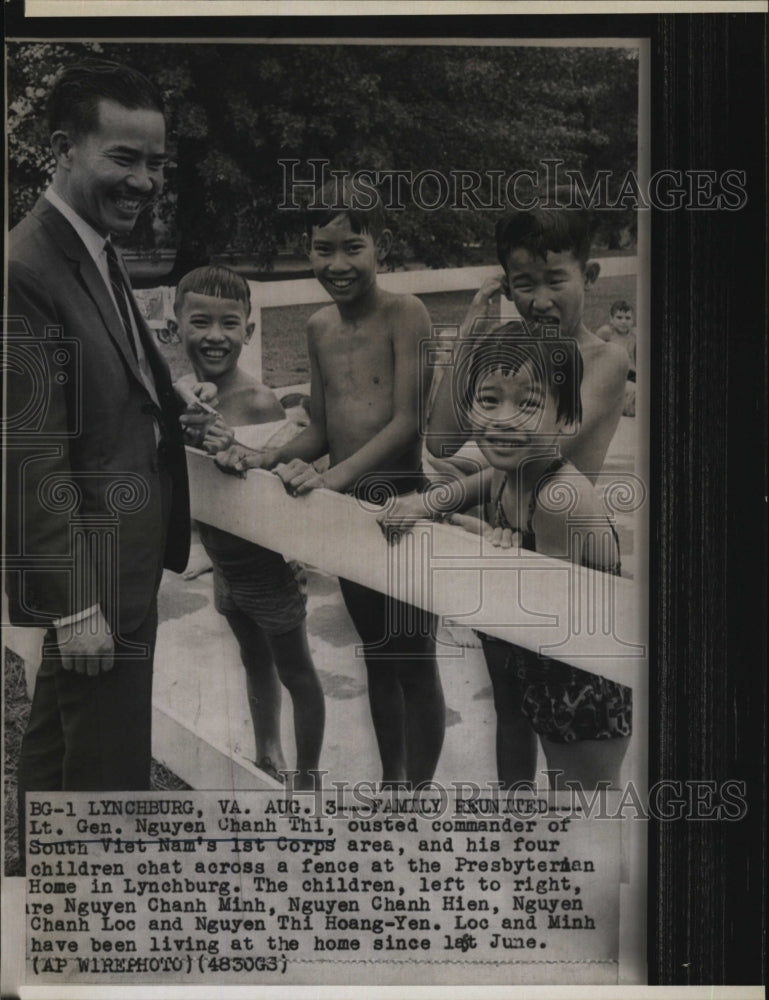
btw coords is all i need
(97, 483)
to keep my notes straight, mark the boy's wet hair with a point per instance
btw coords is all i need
(541, 230)
(73, 103)
(557, 366)
(337, 197)
(620, 306)
(216, 280)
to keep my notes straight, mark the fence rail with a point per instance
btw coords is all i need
(589, 619)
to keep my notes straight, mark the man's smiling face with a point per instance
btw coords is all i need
(108, 175)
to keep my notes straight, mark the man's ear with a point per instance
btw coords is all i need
(592, 270)
(384, 244)
(173, 327)
(61, 144)
(249, 332)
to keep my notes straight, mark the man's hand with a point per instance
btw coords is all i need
(86, 646)
(300, 477)
(218, 437)
(200, 413)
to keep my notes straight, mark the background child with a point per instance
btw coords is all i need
(254, 588)
(519, 404)
(621, 330)
(365, 392)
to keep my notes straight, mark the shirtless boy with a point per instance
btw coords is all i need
(621, 330)
(364, 400)
(254, 588)
(545, 256)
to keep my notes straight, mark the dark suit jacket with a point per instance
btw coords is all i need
(85, 521)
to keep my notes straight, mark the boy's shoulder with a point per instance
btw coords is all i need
(393, 307)
(604, 358)
(403, 307)
(568, 481)
(251, 402)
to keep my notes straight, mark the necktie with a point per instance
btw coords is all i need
(119, 291)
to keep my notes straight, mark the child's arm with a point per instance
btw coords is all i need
(551, 527)
(444, 435)
(250, 406)
(312, 442)
(437, 501)
(411, 327)
(603, 396)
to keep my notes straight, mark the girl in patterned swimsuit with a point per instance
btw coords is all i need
(522, 394)
(521, 397)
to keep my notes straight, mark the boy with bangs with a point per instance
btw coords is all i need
(254, 588)
(364, 401)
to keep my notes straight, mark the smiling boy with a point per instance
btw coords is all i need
(547, 270)
(254, 588)
(364, 403)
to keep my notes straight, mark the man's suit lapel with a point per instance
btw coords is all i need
(74, 248)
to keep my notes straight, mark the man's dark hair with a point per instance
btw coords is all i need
(541, 230)
(217, 281)
(362, 207)
(557, 365)
(620, 306)
(73, 103)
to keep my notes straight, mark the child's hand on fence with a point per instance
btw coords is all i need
(299, 477)
(402, 515)
(237, 459)
(502, 538)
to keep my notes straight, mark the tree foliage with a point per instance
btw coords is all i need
(236, 110)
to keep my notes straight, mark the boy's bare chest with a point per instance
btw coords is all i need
(356, 358)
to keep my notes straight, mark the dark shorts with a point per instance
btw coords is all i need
(562, 703)
(255, 581)
(389, 629)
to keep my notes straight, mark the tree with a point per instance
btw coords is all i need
(236, 111)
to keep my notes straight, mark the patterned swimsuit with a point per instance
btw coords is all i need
(563, 703)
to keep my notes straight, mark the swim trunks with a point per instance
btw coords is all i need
(255, 581)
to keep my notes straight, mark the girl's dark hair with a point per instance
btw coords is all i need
(73, 103)
(541, 230)
(557, 364)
